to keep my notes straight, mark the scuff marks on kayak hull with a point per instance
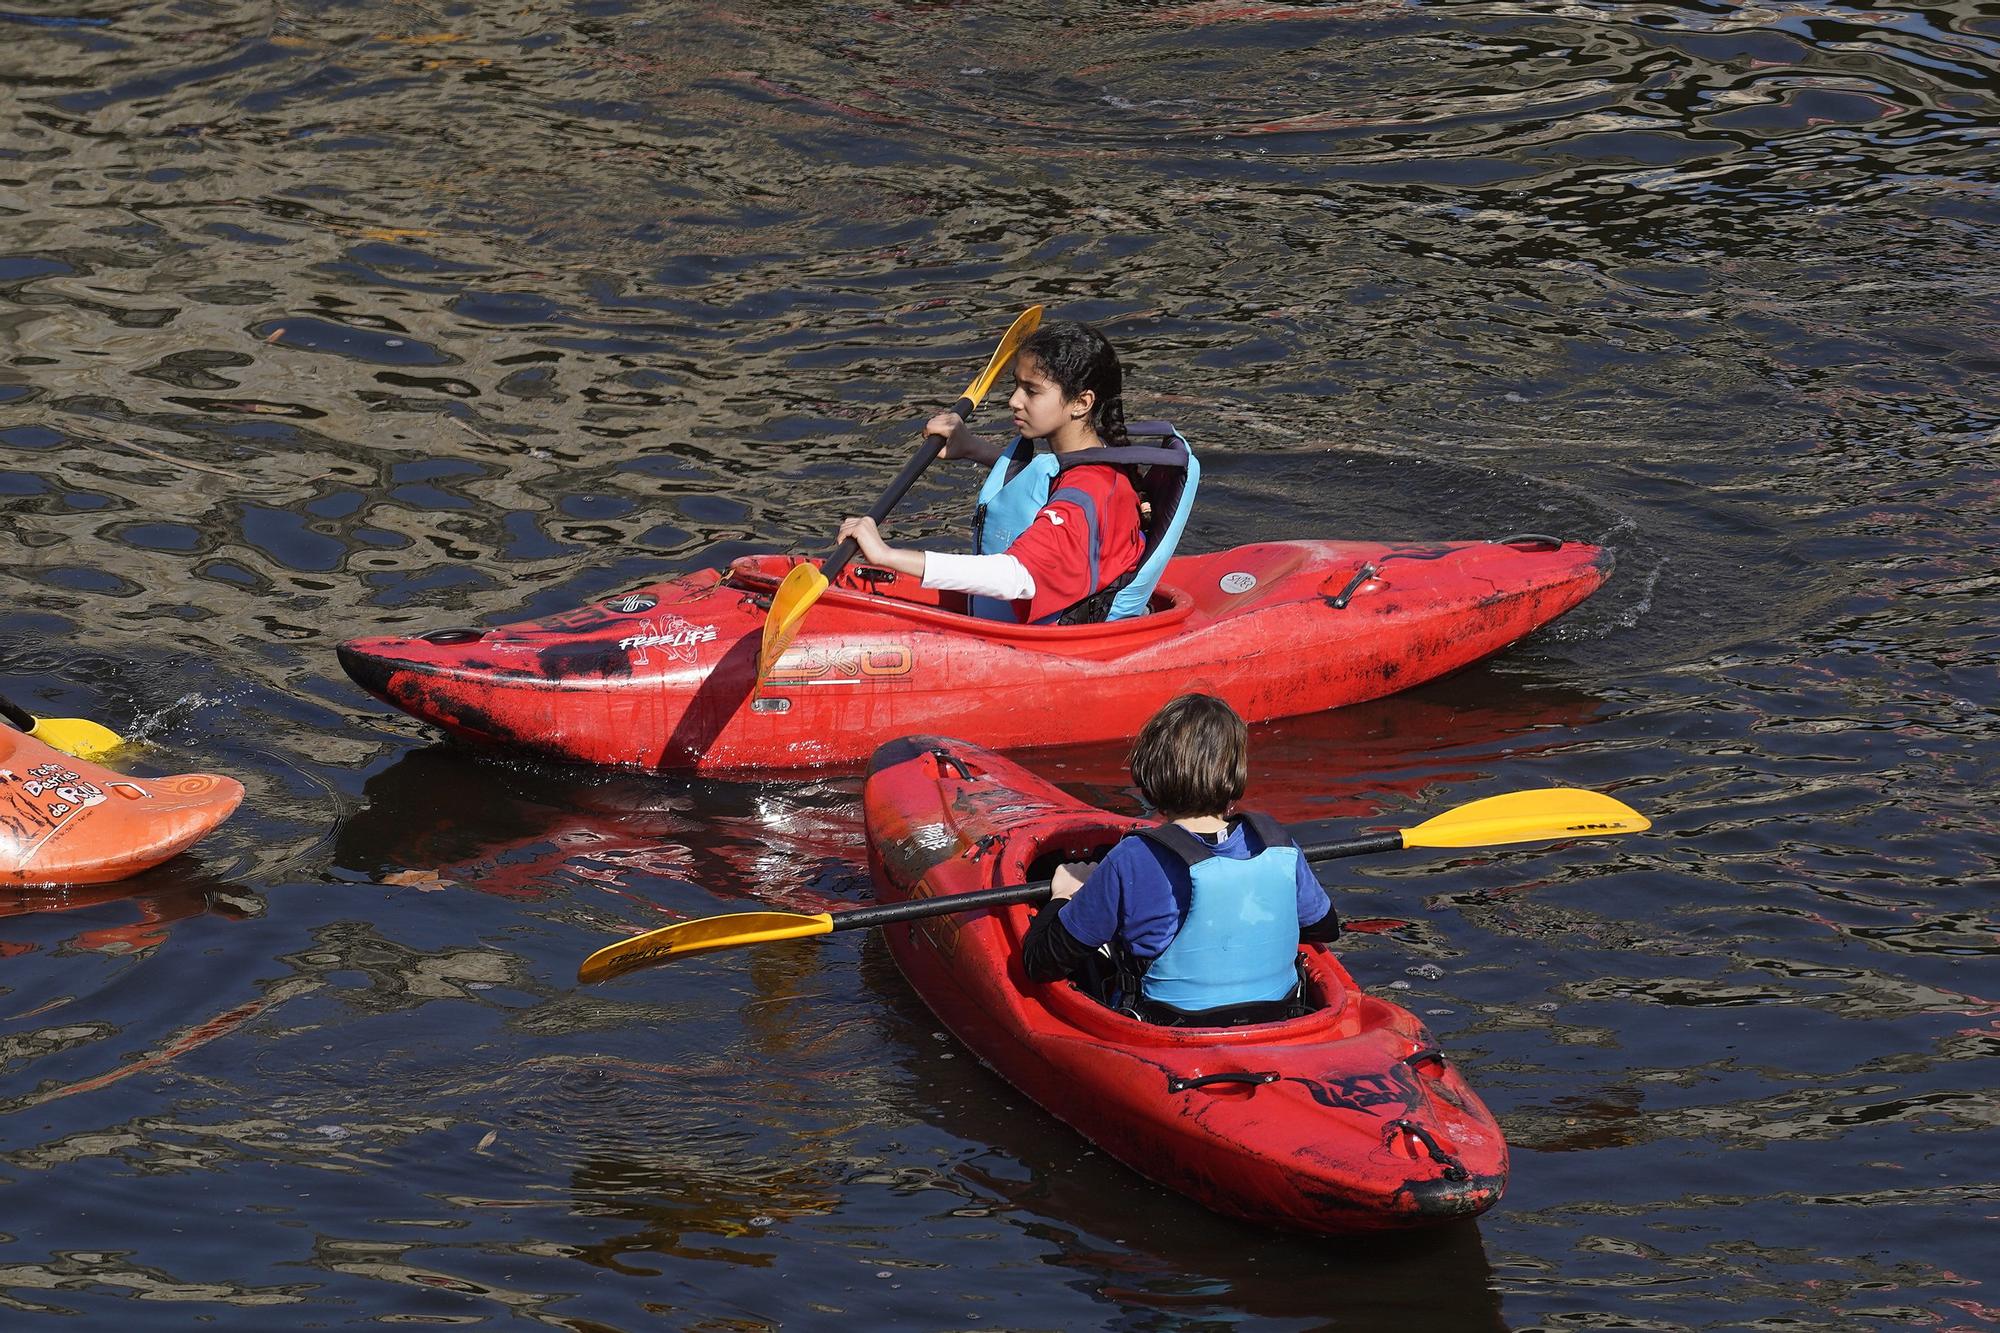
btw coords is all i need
(661, 677)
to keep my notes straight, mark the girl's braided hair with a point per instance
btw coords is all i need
(1078, 357)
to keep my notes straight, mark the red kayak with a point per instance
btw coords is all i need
(660, 677)
(1347, 1119)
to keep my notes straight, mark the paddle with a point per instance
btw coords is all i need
(72, 735)
(803, 586)
(1522, 816)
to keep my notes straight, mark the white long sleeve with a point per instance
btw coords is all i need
(1000, 576)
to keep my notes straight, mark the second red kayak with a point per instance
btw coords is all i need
(661, 677)
(1349, 1118)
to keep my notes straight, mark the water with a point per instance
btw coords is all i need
(326, 319)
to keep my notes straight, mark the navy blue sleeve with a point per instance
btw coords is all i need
(1313, 901)
(1318, 922)
(1092, 914)
(1132, 899)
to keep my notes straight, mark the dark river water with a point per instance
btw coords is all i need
(320, 319)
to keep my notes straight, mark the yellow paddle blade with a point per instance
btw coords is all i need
(76, 735)
(804, 585)
(1017, 333)
(1527, 816)
(703, 936)
(795, 596)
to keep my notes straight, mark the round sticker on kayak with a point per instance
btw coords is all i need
(1238, 582)
(632, 603)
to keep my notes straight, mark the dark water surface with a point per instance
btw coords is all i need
(319, 319)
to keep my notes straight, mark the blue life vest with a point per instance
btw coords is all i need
(1240, 939)
(1022, 480)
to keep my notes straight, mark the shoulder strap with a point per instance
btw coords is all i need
(1018, 454)
(1128, 455)
(1190, 849)
(1268, 830)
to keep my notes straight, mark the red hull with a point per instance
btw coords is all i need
(660, 677)
(1356, 1123)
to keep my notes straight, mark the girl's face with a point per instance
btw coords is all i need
(1040, 410)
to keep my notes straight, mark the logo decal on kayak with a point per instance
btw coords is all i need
(632, 603)
(669, 632)
(1362, 1092)
(942, 932)
(842, 664)
(62, 791)
(1239, 581)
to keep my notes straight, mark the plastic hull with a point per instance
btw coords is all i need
(66, 821)
(660, 677)
(1349, 1119)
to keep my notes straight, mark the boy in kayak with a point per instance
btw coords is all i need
(1203, 915)
(1051, 547)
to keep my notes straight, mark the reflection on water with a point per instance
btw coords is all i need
(137, 917)
(440, 817)
(319, 320)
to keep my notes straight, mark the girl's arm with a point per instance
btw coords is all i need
(960, 442)
(1000, 576)
(868, 541)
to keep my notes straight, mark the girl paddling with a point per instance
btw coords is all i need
(1052, 542)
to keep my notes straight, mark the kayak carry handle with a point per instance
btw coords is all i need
(1178, 1084)
(1340, 599)
(1453, 1169)
(944, 757)
(1423, 1053)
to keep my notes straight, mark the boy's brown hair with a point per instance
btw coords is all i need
(1192, 757)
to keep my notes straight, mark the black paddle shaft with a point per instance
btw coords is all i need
(916, 909)
(20, 717)
(932, 446)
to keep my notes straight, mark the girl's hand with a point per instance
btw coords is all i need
(952, 426)
(867, 539)
(1069, 877)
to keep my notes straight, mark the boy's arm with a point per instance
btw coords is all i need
(1050, 952)
(1318, 922)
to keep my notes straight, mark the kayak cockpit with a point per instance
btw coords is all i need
(876, 591)
(1326, 991)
